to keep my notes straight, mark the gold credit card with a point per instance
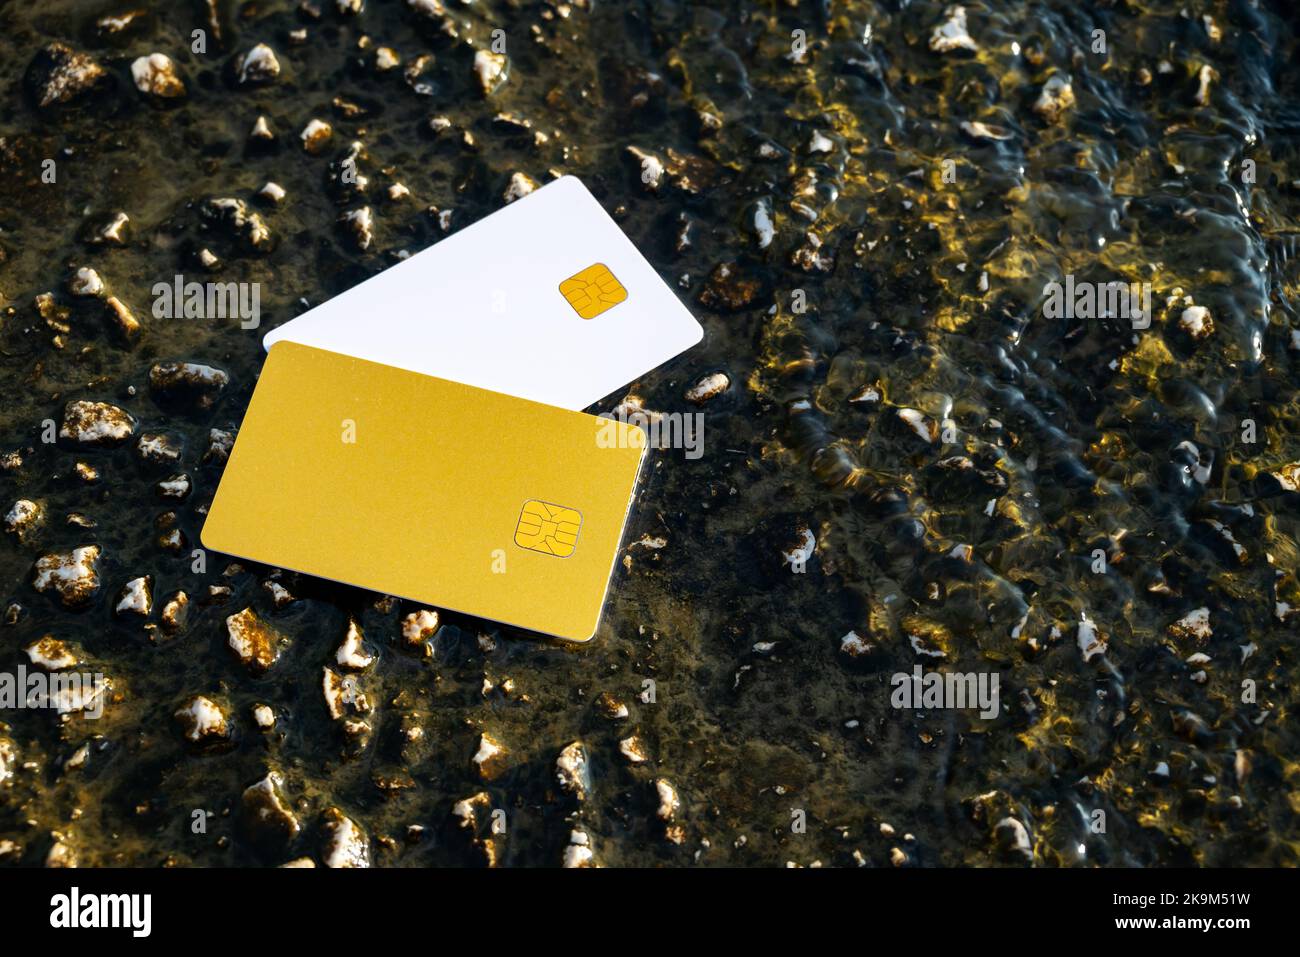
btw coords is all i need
(423, 488)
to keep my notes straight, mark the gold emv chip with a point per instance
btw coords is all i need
(549, 529)
(593, 291)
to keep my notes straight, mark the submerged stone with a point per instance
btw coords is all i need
(267, 818)
(73, 576)
(254, 642)
(156, 75)
(96, 424)
(951, 34)
(187, 383)
(346, 844)
(203, 722)
(258, 66)
(572, 771)
(59, 74)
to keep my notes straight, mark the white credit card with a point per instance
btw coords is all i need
(545, 299)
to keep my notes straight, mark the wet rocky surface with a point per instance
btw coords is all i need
(905, 460)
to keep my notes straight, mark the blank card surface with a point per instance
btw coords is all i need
(428, 489)
(545, 299)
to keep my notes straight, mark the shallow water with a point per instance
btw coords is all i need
(888, 267)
